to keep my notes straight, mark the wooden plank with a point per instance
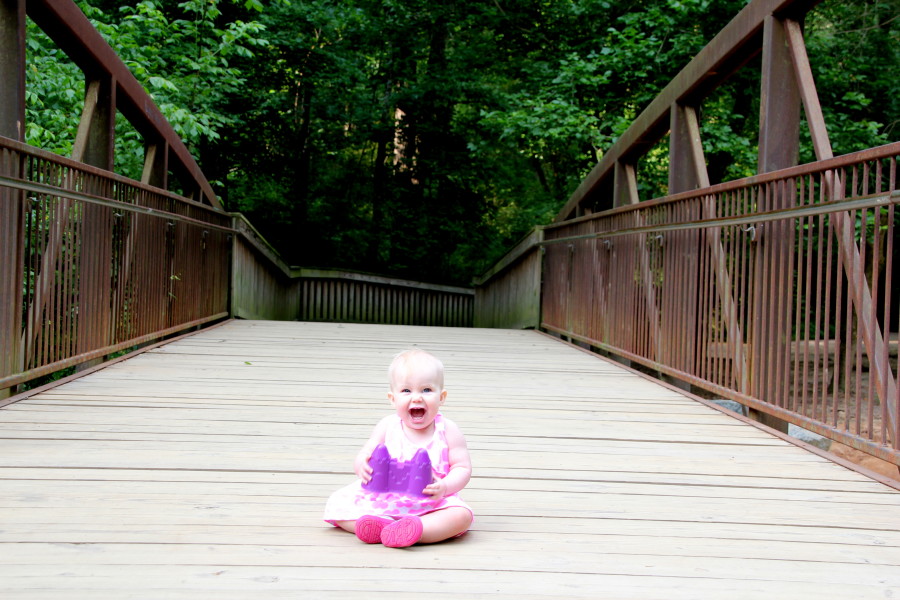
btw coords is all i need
(182, 474)
(386, 582)
(67, 492)
(628, 559)
(98, 477)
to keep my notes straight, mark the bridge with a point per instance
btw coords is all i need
(220, 395)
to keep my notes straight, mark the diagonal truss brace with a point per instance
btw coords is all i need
(873, 338)
(688, 162)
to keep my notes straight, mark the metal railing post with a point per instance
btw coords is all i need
(12, 244)
(94, 146)
(12, 69)
(779, 140)
(12, 121)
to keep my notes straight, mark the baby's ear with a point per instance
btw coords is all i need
(443, 396)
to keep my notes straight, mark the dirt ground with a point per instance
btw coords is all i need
(846, 452)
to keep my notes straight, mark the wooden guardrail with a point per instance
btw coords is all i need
(360, 298)
(509, 294)
(264, 287)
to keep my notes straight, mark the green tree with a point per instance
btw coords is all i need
(854, 51)
(179, 52)
(421, 139)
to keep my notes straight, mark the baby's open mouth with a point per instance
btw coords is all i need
(417, 413)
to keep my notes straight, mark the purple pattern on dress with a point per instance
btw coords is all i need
(401, 477)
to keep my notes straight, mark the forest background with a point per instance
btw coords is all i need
(421, 139)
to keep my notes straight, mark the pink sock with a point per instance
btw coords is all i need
(400, 534)
(369, 527)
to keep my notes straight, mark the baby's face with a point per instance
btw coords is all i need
(417, 394)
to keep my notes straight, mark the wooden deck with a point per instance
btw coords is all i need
(200, 470)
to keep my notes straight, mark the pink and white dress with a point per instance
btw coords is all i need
(353, 501)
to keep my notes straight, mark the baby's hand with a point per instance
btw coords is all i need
(437, 489)
(362, 468)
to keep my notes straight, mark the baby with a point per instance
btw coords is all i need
(402, 518)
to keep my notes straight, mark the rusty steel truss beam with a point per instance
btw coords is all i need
(110, 88)
(759, 349)
(737, 43)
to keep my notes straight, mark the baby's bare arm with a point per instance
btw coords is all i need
(361, 463)
(460, 465)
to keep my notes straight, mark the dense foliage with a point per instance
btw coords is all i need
(420, 138)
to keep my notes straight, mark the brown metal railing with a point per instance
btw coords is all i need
(95, 263)
(776, 291)
(92, 263)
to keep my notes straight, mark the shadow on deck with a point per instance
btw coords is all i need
(200, 469)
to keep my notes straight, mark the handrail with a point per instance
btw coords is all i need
(768, 290)
(531, 240)
(341, 296)
(509, 294)
(264, 287)
(129, 189)
(44, 189)
(872, 201)
(815, 349)
(94, 263)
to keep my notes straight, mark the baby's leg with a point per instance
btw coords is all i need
(347, 525)
(444, 524)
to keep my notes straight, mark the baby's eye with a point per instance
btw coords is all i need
(427, 390)
(405, 391)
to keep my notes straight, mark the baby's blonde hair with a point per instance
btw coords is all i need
(405, 358)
